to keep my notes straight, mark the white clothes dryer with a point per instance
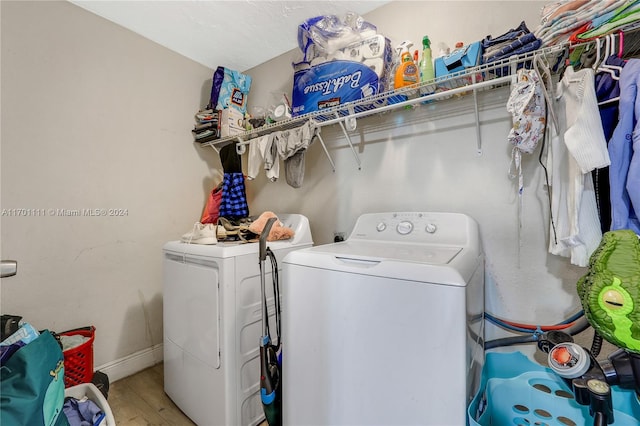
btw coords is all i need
(386, 327)
(212, 325)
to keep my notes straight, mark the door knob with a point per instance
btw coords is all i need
(8, 268)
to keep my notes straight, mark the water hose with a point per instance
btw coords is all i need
(572, 325)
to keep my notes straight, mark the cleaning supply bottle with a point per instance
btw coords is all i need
(407, 71)
(443, 49)
(426, 67)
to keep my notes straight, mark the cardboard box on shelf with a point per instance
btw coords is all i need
(231, 122)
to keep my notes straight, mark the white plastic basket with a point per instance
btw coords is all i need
(93, 393)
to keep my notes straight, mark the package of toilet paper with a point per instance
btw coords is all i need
(354, 72)
(326, 34)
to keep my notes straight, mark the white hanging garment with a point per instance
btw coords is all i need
(575, 150)
(263, 155)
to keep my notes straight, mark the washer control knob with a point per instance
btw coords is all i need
(405, 227)
(431, 228)
(381, 226)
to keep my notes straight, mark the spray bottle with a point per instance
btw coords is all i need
(426, 66)
(407, 71)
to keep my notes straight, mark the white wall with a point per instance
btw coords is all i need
(95, 117)
(430, 163)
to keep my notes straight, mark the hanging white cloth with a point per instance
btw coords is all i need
(575, 150)
(263, 155)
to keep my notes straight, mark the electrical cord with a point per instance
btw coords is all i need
(265, 307)
(276, 293)
(546, 177)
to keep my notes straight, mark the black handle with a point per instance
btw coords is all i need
(263, 237)
(87, 328)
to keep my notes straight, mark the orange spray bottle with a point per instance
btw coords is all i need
(407, 72)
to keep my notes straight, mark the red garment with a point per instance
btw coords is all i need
(212, 208)
(574, 36)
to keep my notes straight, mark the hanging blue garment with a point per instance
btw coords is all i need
(624, 172)
(607, 89)
(233, 204)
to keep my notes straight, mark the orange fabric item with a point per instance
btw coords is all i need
(574, 36)
(212, 207)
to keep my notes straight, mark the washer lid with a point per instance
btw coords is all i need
(378, 251)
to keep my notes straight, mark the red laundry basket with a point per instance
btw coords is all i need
(78, 361)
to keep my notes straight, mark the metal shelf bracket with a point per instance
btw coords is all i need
(241, 146)
(346, 135)
(477, 116)
(326, 151)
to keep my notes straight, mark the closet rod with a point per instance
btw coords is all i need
(240, 147)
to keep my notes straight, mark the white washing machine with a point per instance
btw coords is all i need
(386, 327)
(212, 325)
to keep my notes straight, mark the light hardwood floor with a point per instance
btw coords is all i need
(139, 400)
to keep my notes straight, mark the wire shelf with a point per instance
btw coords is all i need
(484, 77)
(470, 81)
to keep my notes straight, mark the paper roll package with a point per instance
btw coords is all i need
(359, 70)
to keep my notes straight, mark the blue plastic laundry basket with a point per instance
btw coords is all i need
(516, 391)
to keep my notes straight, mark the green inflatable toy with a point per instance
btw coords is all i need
(610, 291)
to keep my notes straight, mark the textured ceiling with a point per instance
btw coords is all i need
(236, 34)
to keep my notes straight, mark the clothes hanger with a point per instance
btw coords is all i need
(601, 65)
(611, 38)
(620, 44)
(609, 101)
(596, 61)
(541, 66)
(611, 69)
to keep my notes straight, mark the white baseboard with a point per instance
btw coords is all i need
(131, 364)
